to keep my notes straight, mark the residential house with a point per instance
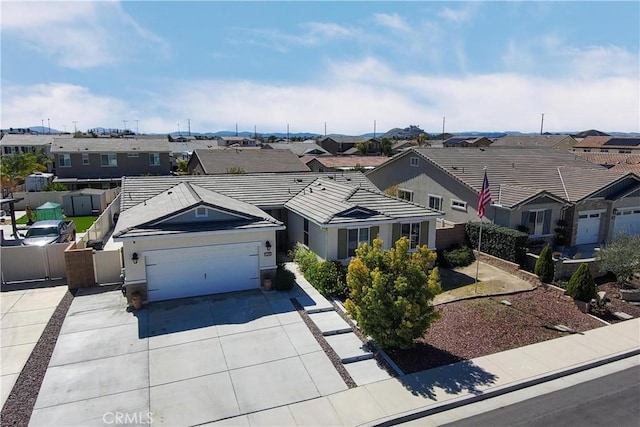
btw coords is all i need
(299, 148)
(467, 141)
(342, 144)
(531, 189)
(238, 141)
(213, 162)
(608, 144)
(20, 143)
(343, 163)
(195, 235)
(102, 162)
(535, 141)
(613, 161)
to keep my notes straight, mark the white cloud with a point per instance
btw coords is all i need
(78, 34)
(460, 15)
(395, 22)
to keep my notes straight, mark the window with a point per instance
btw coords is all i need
(624, 151)
(133, 155)
(412, 232)
(201, 212)
(154, 159)
(305, 233)
(435, 202)
(604, 150)
(459, 205)
(586, 150)
(405, 194)
(64, 160)
(538, 221)
(413, 161)
(355, 236)
(85, 158)
(109, 160)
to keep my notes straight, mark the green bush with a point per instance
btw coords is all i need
(581, 286)
(284, 279)
(304, 258)
(456, 256)
(501, 242)
(545, 267)
(325, 277)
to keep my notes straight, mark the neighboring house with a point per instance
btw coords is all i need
(182, 148)
(299, 148)
(531, 188)
(238, 141)
(343, 163)
(195, 235)
(466, 141)
(214, 162)
(87, 162)
(613, 161)
(16, 143)
(342, 144)
(535, 141)
(608, 144)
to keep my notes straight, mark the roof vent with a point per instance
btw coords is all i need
(298, 179)
(169, 192)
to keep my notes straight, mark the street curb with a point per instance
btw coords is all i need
(498, 391)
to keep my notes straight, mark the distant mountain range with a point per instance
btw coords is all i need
(410, 132)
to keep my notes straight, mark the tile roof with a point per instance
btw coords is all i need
(12, 139)
(250, 161)
(560, 173)
(327, 202)
(609, 142)
(265, 190)
(112, 145)
(530, 141)
(347, 139)
(147, 217)
(339, 162)
(609, 159)
(299, 148)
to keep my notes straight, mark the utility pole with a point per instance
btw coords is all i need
(443, 120)
(189, 124)
(137, 127)
(255, 132)
(42, 121)
(374, 128)
(179, 134)
(124, 130)
(75, 126)
(325, 128)
(541, 123)
(287, 132)
(236, 129)
(49, 125)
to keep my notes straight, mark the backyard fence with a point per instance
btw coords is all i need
(103, 225)
(25, 263)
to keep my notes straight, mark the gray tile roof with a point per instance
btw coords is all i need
(266, 190)
(147, 217)
(17, 140)
(530, 141)
(299, 148)
(558, 172)
(250, 161)
(328, 202)
(110, 145)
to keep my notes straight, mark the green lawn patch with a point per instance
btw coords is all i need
(82, 222)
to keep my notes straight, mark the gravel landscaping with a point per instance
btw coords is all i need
(478, 327)
(19, 405)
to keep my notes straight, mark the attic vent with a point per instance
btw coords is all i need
(298, 180)
(331, 177)
(169, 192)
(455, 168)
(348, 179)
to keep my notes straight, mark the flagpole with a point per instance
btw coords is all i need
(483, 200)
(478, 260)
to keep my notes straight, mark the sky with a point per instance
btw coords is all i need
(348, 67)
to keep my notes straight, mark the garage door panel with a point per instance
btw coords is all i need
(627, 221)
(179, 273)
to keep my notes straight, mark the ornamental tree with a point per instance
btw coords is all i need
(581, 286)
(621, 257)
(545, 268)
(391, 292)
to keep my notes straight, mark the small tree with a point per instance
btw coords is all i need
(545, 268)
(581, 285)
(621, 257)
(391, 292)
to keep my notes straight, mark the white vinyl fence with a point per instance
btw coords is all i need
(107, 266)
(22, 263)
(102, 225)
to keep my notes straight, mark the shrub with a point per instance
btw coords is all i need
(621, 257)
(545, 267)
(284, 279)
(501, 242)
(325, 277)
(581, 286)
(457, 256)
(304, 258)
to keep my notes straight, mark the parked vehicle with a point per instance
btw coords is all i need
(50, 231)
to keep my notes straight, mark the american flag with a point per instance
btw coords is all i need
(485, 196)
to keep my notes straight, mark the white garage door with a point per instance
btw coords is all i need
(187, 272)
(588, 228)
(627, 221)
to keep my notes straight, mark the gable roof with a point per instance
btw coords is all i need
(250, 161)
(347, 139)
(327, 202)
(466, 139)
(298, 148)
(557, 172)
(14, 139)
(531, 141)
(616, 142)
(347, 162)
(609, 159)
(264, 190)
(110, 145)
(149, 217)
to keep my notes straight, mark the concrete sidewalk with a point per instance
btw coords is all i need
(414, 395)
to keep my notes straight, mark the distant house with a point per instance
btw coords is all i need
(238, 141)
(20, 143)
(613, 161)
(215, 162)
(298, 148)
(531, 189)
(466, 141)
(343, 163)
(535, 141)
(196, 235)
(608, 144)
(342, 144)
(102, 162)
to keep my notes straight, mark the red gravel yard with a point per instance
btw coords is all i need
(477, 327)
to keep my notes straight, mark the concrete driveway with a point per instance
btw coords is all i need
(181, 362)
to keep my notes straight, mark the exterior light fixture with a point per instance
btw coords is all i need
(268, 245)
(134, 257)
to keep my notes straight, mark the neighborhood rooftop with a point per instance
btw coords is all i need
(11, 139)
(247, 161)
(113, 145)
(531, 141)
